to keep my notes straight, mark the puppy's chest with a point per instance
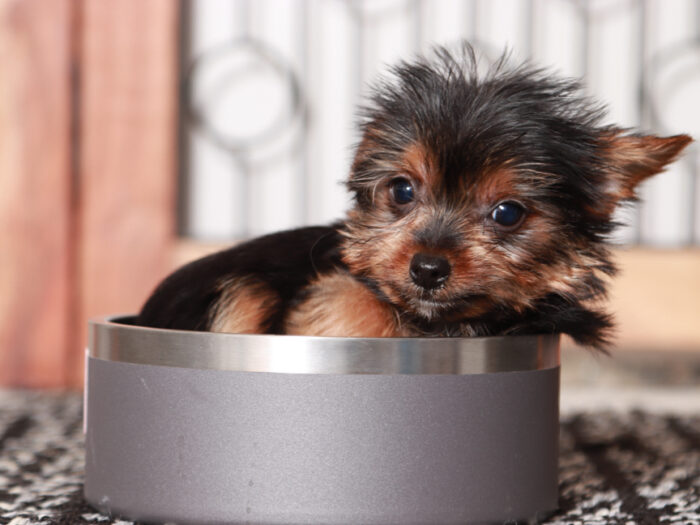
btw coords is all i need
(336, 304)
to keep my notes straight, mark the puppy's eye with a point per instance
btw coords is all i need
(402, 190)
(508, 214)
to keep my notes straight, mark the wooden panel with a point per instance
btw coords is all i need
(34, 191)
(127, 148)
(655, 298)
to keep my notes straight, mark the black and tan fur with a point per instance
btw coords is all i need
(465, 142)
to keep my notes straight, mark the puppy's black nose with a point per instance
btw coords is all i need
(429, 271)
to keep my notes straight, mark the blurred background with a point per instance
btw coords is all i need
(136, 135)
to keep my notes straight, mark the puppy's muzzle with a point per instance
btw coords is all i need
(429, 271)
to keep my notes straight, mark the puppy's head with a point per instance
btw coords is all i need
(482, 195)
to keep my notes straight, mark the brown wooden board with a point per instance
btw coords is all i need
(127, 137)
(655, 298)
(35, 187)
(88, 110)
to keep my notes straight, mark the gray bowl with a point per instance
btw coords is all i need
(197, 427)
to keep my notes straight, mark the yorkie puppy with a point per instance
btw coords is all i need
(482, 206)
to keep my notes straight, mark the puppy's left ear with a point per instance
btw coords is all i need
(634, 158)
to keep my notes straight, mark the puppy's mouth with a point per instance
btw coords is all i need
(432, 305)
(429, 307)
(428, 304)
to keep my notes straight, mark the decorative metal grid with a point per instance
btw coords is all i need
(270, 89)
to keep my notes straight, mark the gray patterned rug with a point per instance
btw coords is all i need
(632, 468)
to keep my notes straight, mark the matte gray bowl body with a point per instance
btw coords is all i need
(194, 427)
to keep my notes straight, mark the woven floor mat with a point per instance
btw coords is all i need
(614, 468)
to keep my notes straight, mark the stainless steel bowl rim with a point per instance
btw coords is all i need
(113, 339)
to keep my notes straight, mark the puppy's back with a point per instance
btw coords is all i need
(281, 264)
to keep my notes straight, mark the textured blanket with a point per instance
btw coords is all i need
(614, 468)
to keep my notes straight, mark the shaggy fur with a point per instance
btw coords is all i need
(483, 202)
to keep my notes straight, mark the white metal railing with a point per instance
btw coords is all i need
(271, 88)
